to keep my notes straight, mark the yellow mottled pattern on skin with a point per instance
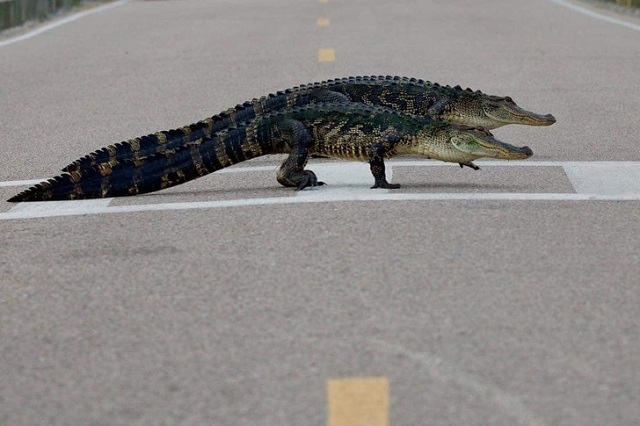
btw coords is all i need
(75, 176)
(336, 141)
(77, 191)
(207, 130)
(186, 131)
(104, 187)
(104, 169)
(196, 158)
(221, 154)
(232, 116)
(249, 146)
(165, 182)
(111, 150)
(138, 161)
(135, 147)
(291, 101)
(161, 137)
(258, 105)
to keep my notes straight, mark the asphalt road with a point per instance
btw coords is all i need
(508, 296)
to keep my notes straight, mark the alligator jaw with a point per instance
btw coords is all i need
(507, 112)
(505, 151)
(481, 143)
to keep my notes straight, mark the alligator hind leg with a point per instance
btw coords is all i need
(292, 172)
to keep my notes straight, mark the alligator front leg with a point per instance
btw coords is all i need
(292, 172)
(376, 162)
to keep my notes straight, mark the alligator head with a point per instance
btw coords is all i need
(478, 142)
(454, 143)
(478, 109)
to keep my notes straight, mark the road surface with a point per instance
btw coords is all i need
(508, 296)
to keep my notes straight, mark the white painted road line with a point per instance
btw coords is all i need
(593, 14)
(19, 183)
(338, 177)
(60, 208)
(60, 22)
(32, 210)
(604, 178)
(592, 181)
(345, 179)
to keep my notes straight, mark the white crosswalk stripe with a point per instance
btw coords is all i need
(591, 180)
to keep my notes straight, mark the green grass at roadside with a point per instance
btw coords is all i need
(630, 3)
(17, 12)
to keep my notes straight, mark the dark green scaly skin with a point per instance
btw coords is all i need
(343, 130)
(409, 95)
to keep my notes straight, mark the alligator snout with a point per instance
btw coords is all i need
(550, 118)
(527, 151)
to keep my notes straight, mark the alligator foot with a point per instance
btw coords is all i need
(382, 183)
(470, 165)
(309, 179)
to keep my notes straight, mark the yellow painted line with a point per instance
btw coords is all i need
(326, 55)
(322, 22)
(358, 401)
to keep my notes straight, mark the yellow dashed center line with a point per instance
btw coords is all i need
(358, 401)
(326, 55)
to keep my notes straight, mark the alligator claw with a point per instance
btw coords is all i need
(385, 185)
(470, 165)
(309, 179)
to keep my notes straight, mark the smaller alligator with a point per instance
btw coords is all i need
(346, 130)
(409, 95)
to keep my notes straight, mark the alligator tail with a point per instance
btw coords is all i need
(145, 146)
(151, 173)
(134, 149)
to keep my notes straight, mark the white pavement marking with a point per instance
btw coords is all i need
(19, 182)
(597, 15)
(340, 177)
(345, 179)
(592, 181)
(61, 22)
(60, 208)
(444, 372)
(604, 178)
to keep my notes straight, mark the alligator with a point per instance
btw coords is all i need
(347, 130)
(409, 95)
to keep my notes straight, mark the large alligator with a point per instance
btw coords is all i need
(409, 95)
(346, 130)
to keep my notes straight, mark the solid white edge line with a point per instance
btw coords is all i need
(32, 210)
(596, 15)
(19, 183)
(60, 22)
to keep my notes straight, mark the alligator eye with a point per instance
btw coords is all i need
(508, 99)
